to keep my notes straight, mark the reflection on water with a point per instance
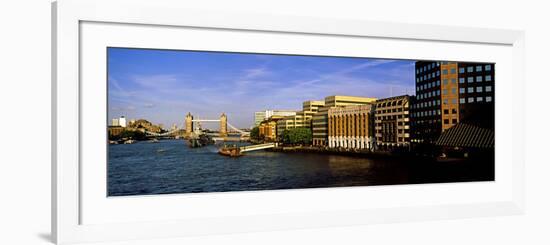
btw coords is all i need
(171, 167)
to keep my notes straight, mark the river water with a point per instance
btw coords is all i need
(170, 166)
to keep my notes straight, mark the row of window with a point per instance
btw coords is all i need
(478, 68)
(390, 110)
(428, 76)
(428, 94)
(427, 122)
(488, 78)
(452, 71)
(426, 67)
(476, 99)
(478, 89)
(428, 85)
(389, 117)
(427, 104)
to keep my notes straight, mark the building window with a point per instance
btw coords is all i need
(461, 70)
(445, 91)
(445, 101)
(479, 99)
(445, 81)
(479, 68)
(438, 83)
(488, 88)
(446, 111)
(479, 79)
(461, 80)
(471, 100)
(453, 80)
(470, 69)
(453, 91)
(479, 89)
(488, 98)
(462, 90)
(438, 73)
(453, 111)
(453, 101)
(488, 78)
(445, 72)
(462, 100)
(438, 92)
(453, 70)
(487, 67)
(438, 102)
(454, 121)
(446, 121)
(470, 79)
(470, 89)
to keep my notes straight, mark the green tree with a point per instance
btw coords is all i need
(295, 136)
(132, 134)
(255, 133)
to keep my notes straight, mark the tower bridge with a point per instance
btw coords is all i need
(192, 123)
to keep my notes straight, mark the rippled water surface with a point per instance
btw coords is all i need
(170, 166)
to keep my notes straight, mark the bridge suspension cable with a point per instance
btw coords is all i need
(161, 134)
(238, 130)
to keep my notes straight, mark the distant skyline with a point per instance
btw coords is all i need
(162, 86)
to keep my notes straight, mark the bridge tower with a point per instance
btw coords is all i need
(223, 125)
(188, 124)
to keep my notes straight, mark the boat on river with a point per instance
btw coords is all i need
(230, 151)
(200, 141)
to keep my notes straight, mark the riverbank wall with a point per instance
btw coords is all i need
(343, 152)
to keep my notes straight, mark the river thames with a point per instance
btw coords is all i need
(170, 166)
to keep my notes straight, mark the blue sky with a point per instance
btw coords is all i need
(163, 85)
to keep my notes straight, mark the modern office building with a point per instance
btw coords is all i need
(310, 108)
(351, 127)
(320, 119)
(476, 82)
(392, 127)
(260, 116)
(289, 122)
(448, 93)
(121, 121)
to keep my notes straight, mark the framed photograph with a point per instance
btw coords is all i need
(174, 122)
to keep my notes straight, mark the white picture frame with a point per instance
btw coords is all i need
(68, 17)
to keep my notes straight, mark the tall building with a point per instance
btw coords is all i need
(448, 93)
(302, 119)
(351, 127)
(392, 121)
(121, 121)
(310, 108)
(476, 83)
(260, 116)
(320, 119)
(290, 122)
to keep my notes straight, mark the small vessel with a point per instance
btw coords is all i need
(129, 141)
(200, 141)
(154, 140)
(230, 151)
